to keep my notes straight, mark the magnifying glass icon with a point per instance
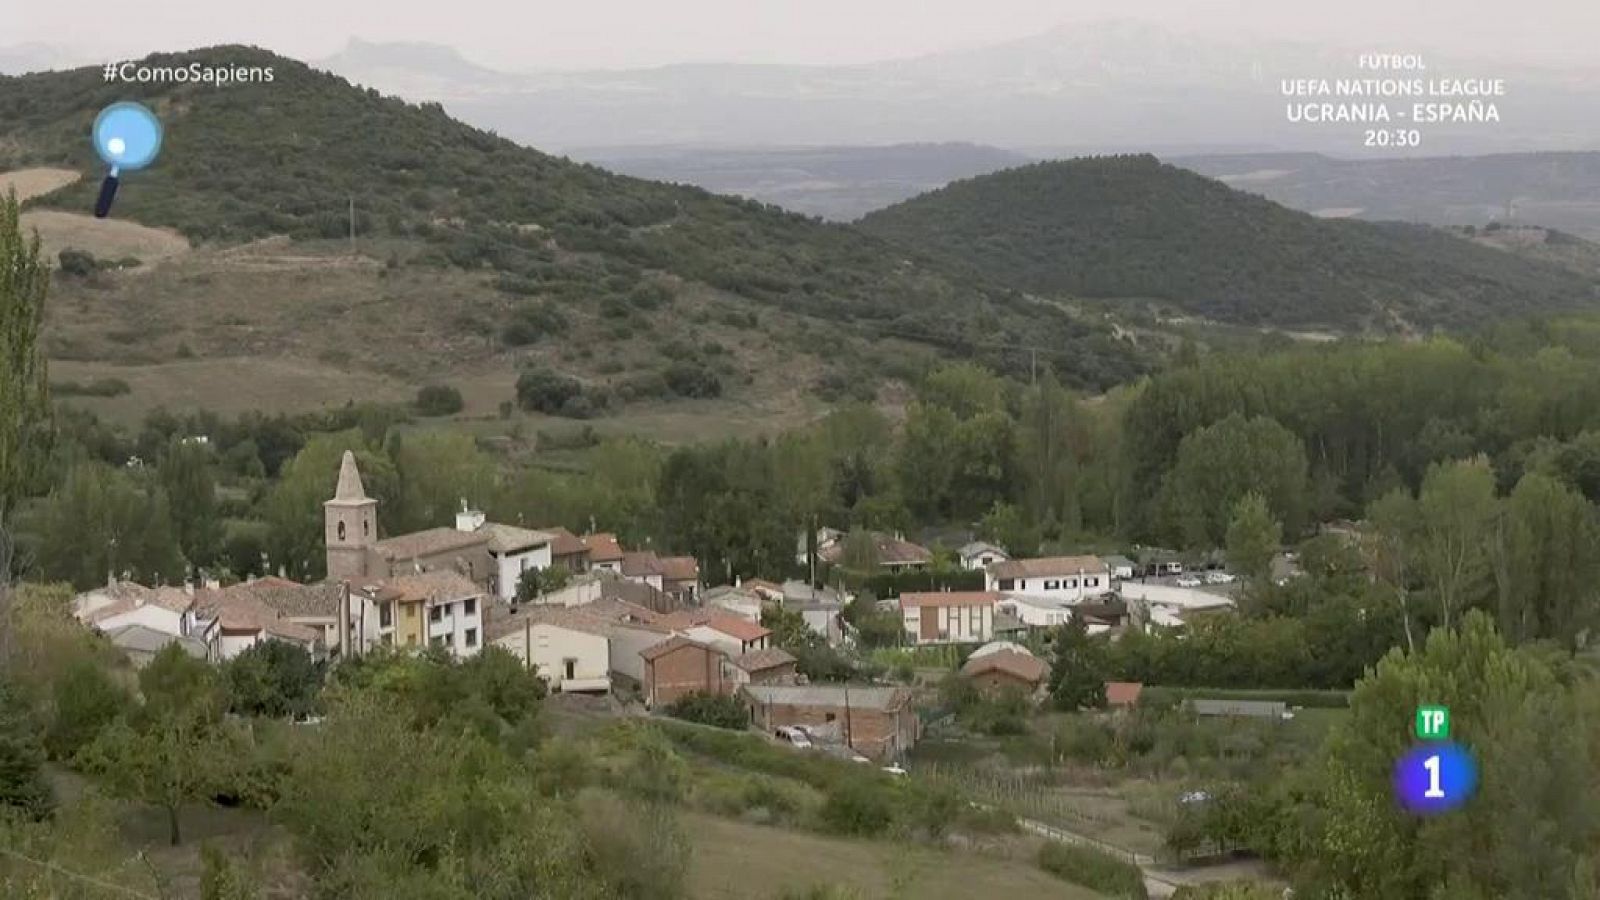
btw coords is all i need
(127, 136)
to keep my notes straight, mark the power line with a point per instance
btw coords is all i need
(87, 879)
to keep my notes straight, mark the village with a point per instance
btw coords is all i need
(644, 629)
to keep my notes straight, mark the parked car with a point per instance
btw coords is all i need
(895, 769)
(795, 737)
(1219, 577)
(1188, 581)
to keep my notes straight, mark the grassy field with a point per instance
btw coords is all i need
(736, 861)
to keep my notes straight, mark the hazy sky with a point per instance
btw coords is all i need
(537, 34)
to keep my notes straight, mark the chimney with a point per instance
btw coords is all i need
(469, 520)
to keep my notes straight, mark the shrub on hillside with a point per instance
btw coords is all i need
(77, 263)
(532, 322)
(547, 391)
(100, 387)
(718, 710)
(1093, 869)
(857, 807)
(687, 379)
(438, 400)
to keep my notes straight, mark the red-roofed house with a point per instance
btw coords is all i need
(1006, 669)
(680, 577)
(719, 628)
(1123, 694)
(943, 617)
(605, 554)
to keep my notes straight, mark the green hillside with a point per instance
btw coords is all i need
(1130, 226)
(250, 161)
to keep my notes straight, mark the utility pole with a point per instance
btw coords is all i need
(352, 224)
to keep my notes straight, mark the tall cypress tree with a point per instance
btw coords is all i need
(24, 385)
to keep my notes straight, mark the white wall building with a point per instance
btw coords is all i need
(1037, 611)
(1071, 578)
(979, 555)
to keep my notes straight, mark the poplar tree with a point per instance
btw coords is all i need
(24, 388)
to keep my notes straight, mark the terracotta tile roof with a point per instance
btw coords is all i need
(437, 585)
(761, 660)
(1025, 666)
(1048, 566)
(602, 617)
(291, 598)
(141, 639)
(603, 547)
(641, 563)
(431, 542)
(126, 596)
(174, 599)
(680, 568)
(676, 642)
(889, 549)
(564, 542)
(1123, 693)
(240, 613)
(949, 598)
(505, 539)
(717, 618)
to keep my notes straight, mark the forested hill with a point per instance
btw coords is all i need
(1132, 227)
(248, 161)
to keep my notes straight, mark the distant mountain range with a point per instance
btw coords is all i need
(1131, 227)
(1558, 190)
(839, 183)
(1115, 86)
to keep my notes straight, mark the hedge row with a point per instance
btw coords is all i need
(1094, 869)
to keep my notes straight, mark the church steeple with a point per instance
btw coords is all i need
(350, 524)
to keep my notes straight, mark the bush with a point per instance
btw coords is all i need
(856, 806)
(546, 391)
(717, 710)
(1093, 869)
(532, 322)
(438, 400)
(77, 263)
(687, 379)
(638, 849)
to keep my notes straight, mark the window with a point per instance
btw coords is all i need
(437, 641)
(1072, 582)
(974, 619)
(411, 611)
(436, 614)
(1052, 585)
(341, 531)
(524, 563)
(469, 607)
(385, 615)
(471, 639)
(828, 717)
(411, 640)
(569, 669)
(366, 528)
(1007, 584)
(1092, 581)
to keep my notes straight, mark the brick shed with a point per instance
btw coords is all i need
(679, 666)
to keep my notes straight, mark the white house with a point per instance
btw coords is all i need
(939, 617)
(1169, 606)
(168, 610)
(644, 567)
(729, 633)
(1121, 567)
(1073, 578)
(1037, 611)
(567, 647)
(979, 555)
(735, 599)
(438, 608)
(512, 550)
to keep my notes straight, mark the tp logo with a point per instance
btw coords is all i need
(1433, 723)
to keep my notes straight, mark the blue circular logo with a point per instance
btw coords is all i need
(127, 136)
(1435, 778)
